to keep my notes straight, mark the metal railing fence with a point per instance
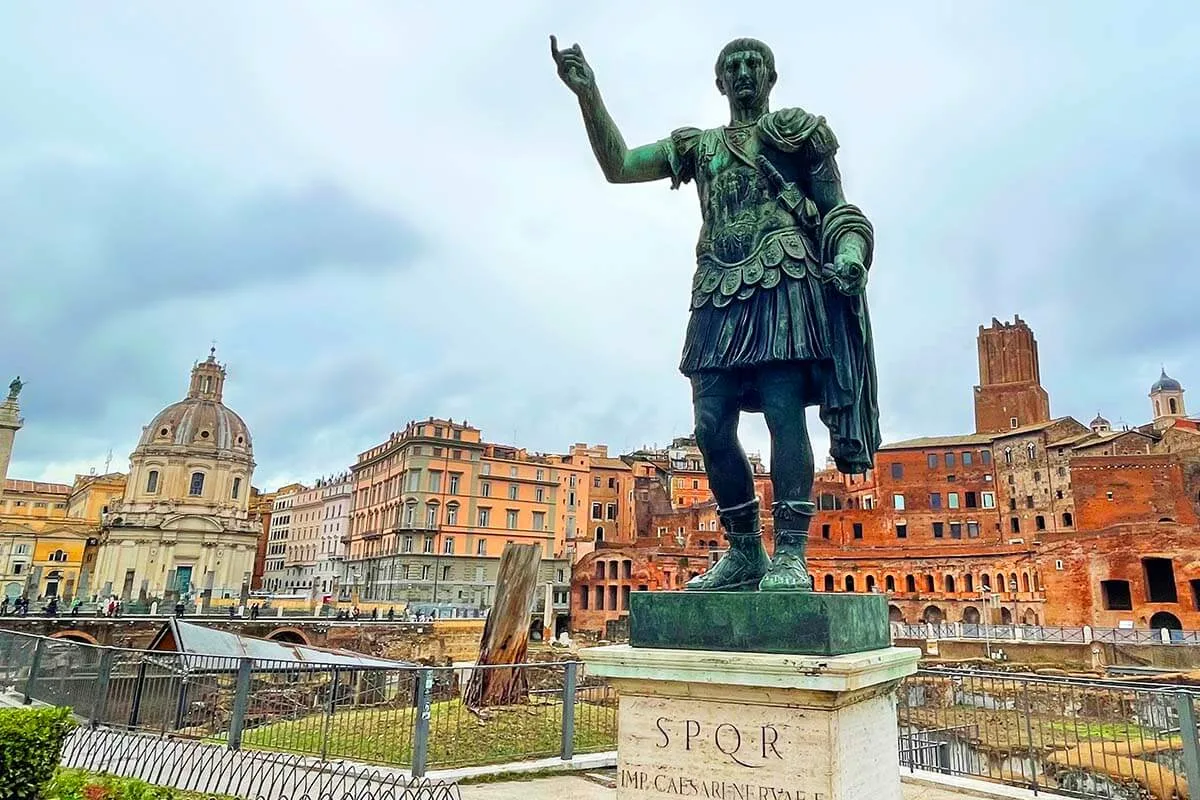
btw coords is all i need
(1041, 633)
(1086, 738)
(410, 716)
(216, 771)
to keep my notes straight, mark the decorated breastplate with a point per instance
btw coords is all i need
(749, 240)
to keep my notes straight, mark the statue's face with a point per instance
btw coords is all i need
(745, 78)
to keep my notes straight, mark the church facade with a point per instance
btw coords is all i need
(183, 528)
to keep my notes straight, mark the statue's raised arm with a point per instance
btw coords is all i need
(619, 163)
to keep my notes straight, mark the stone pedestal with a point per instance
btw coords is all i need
(708, 724)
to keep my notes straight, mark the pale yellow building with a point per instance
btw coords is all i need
(183, 526)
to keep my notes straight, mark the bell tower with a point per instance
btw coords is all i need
(1167, 396)
(1010, 393)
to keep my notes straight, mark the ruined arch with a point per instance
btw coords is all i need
(933, 615)
(1167, 620)
(895, 614)
(1006, 616)
(75, 636)
(971, 615)
(289, 635)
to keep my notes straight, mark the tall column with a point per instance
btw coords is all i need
(10, 423)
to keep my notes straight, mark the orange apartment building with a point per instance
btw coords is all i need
(435, 505)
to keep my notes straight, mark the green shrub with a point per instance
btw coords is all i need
(31, 741)
(77, 784)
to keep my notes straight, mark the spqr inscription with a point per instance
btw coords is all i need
(750, 747)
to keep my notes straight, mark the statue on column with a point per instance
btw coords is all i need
(15, 387)
(778, 313)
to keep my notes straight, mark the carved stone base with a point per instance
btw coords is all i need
(708, 724)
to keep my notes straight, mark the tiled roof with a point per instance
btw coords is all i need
(35, 487)
(610, 463)
(939, 441)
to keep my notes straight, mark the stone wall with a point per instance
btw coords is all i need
(438, 642)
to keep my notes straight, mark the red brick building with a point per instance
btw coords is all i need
(1029, 519)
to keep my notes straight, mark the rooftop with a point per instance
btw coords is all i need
(12, 486)
(199, 641)
(922, 442)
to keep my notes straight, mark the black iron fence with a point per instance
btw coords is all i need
(407, 717)
(1112, 739)
(1122, 740)
(217, 771)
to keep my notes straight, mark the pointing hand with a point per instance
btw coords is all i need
(573, 68)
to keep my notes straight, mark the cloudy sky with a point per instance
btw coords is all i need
(384, 212)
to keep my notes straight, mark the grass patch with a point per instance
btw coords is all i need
(1107, 731)
(457, 738)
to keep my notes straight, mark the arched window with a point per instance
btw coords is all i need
(889, 583)
(599, 533)
(1157, 409)
(910, 584)
(870, 583)
(1025, 582)
(999, 582)
(849, 583)
(1171, 404)
(1008, 455)
(1031, 449)
(829, 583)
(431, 515)
(985, 581)
(949, 581)
(929, 584)
(237, 488)
(1068, 520)
(197, 485)
(968, 582)
(152, 481)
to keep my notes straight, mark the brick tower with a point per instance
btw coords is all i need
(1010, 393)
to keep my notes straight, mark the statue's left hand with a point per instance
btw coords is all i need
(848, 274)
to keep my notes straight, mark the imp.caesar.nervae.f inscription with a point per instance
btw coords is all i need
(778, 316)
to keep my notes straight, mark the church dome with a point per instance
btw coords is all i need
(1100, 422)
(195, 422)
(200, 420)
(1166, 383)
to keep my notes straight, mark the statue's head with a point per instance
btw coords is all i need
(746, 71)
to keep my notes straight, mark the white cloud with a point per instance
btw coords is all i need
(983, 139)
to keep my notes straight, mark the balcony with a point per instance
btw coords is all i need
(419, 526)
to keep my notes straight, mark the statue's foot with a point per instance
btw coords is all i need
(740, 570)
(787, 573)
